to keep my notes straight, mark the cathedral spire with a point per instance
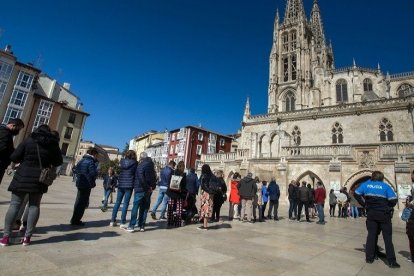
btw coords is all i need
(246, 110)
(316, 24)
(295, 11)
(276, 27)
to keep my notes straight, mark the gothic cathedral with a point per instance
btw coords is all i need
(334, 125)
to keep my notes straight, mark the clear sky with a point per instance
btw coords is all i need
(139, 65)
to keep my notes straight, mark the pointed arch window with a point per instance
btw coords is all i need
(341, 91)
(285, 69)
(285, 41)
(385, 131)
(296, 134)
(290, 101)
(337, 134)
(405, 90)
(293, 40)
(367, 85)
(293, 67)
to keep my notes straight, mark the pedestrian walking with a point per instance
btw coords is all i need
(109, 184)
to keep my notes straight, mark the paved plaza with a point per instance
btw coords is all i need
(228, 248)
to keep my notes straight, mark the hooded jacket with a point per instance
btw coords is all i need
(273, 190)
(127, 175)
(26, 178)
(86, 172)
(145, 176)
(247, 188)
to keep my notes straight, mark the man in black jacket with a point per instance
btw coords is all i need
(304, 198)
(7, 132)
(247, 190)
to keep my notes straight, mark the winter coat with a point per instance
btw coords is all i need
(247, 188)
(258, 199)
(234, 192)
(86, 172)
(127, 175)
(182, 193)
(291, 192)
(6, 146)
(218, 198)
(265, 194)
(145, 176)
(320, 195)
(305, 194)
(273, 190)
(165, 177)
(332, 199)
(110, 182)
(26, 178)
(192, 183)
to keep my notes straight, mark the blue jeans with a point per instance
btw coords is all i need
(143, 210)
(354, 211)
(139, 199)
(162, 198)
(321, 213)
(107, 194)
(122, 194)
(293, 208)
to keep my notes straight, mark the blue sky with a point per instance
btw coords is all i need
(160, 64)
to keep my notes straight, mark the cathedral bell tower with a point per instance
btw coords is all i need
(299, 47)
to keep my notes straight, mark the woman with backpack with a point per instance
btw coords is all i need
(207, 195)
(177, 195)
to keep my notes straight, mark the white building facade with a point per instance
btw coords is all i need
(334, 125)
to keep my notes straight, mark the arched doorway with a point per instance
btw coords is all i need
(357, 178)
(310, 178)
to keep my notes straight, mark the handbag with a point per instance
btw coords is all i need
(406, 213)
(47, 175)
(175, 182)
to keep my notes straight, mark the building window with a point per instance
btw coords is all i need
(173, 137)
(290, 101)
(285, 40)
(200, 137)
(405, 90)
(72, 118)
(211, 148)
(367, 85)
(24, 80)
(296, 136)
(18, 97)
(199, 149)
(222, 142)
(172, 149)
(3, 86)
(65, 147)
(341, 91)
(12, 113)
(337, 134)
(212, 137)
(285, 69)
(68, 133)
(293, 67)
(5, 70)
(293, 41)
(385, 131)
(44, 112)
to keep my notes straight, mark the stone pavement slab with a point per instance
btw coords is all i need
(271, 248)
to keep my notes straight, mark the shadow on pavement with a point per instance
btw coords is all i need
(220, 226)
(76, 236)
(405, 254)
(68, 227)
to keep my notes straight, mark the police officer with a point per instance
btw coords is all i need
(379, 199)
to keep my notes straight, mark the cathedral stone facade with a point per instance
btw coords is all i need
(334, 125)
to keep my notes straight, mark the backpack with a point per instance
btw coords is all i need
(406, 213)
(214, 186)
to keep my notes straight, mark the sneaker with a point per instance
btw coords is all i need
(26, 241)
(104, 209)
(153, 216)
(4, 241)
(202, 228)
(410, 259)
(113, 224)
(369, 261)
(308, 221)
(141, 230)
(130, 230)
(163, 218)
(22, 228)
(123, 226)
(393, 265)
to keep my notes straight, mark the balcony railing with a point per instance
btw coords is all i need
(227, 156)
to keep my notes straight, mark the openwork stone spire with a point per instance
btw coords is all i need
(317, 26)
(295, 11)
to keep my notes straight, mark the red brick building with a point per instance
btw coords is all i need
(188, 143)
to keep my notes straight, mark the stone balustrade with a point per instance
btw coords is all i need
(227, 156)
(402, 75)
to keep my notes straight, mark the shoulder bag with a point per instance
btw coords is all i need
(47, 175)
(175, 182)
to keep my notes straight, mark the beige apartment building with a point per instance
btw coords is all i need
(141, 142)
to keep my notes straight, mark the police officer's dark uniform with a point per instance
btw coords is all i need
(379, 199)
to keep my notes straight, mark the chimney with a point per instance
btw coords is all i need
(66, 85)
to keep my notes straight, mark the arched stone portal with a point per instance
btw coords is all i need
(310, 178)
(359, 177)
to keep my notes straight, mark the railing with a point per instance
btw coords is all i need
(227, 156)
(351, 68)
(402, 75)
(397, 150)
(337, 150)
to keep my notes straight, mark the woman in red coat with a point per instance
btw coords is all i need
(234, 199)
